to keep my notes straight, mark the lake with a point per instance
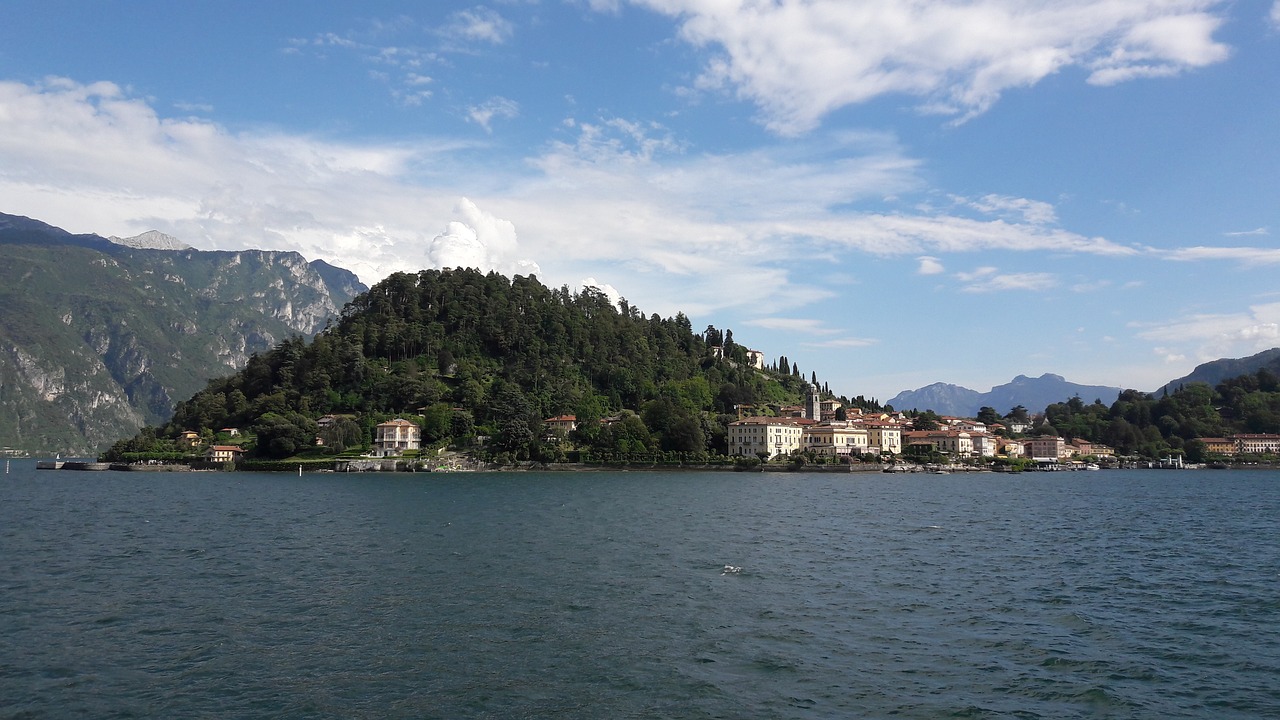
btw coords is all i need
(603, 595)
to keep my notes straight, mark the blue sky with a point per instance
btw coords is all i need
(890, 193)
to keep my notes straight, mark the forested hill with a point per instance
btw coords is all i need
(486, 355)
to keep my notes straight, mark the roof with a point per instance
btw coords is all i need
(563, 418)
(765, 420)
(398, 422)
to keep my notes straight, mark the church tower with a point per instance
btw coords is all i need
(813, 404)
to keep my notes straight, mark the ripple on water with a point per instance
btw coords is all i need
(585, 595)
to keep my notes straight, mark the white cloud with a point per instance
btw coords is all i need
(801, 60)
(938, 233)
(1211, 336)
(619, 198)
(1035, 212)
(484, 113)
(1091, 286)
(1161, 47)
(842, 343)
(479, 23)
(1255, 231)
(1275, 14)
(930, 266)
(1244, 255)
(608, 6)
(977, 274)
(808, 326)
(988, 280)
(191, 107)
(481, 241)
(609, 291)
(1231, 329)
(94, 159)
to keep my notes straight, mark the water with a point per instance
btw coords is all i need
(601, 595)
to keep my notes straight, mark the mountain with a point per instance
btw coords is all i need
(1216, 371)
(942, 398)
(151, 240)
(98, 338)
(1034, 394)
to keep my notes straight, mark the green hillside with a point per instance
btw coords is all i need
(483, 355)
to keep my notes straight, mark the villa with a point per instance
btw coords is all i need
(394, 437)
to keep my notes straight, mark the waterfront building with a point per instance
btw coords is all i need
(1011, 448)
(1046, 449)
(884, 436)
(1219, 446)
(1257, 444)
(835, 439)
(223, 453)
(984, 445)
(394, 437)
(772, 436)
(948, 442)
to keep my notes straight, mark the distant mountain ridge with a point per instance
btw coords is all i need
(98, 338)
(1034, 394)
(1214, 372)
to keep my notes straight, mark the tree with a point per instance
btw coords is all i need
(927, 420)
(462, 424)
(988, 416)
(1018, 414)
(437, 423)
(445, 363)
(282, 435)
(343, 433)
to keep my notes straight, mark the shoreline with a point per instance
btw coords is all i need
(389, 466)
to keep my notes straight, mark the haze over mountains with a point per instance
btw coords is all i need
(1034, 394)
(98, 337)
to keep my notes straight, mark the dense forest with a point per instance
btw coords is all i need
(472, 355)
(1141, 424)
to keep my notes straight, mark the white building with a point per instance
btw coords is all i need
(984, 445)
(835, 439)
(1256, 444)
(772, 436)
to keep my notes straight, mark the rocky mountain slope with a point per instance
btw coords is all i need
(151, 240)
(98, 338)
(1034, 394)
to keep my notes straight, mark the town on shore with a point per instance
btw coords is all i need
(820, 434)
